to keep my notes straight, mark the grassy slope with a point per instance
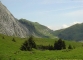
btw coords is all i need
(9, 50)
(38, 29)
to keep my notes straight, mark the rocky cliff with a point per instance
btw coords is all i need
(9, 25)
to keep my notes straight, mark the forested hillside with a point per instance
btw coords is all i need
(74, 32)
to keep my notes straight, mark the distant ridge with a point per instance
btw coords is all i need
(74, 32)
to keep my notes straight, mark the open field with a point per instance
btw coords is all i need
(10, 50)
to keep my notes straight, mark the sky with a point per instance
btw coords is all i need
(55, 14)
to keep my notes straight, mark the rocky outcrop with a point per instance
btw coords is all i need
(9, 25)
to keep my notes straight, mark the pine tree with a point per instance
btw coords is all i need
(70, 47)
(58, 45)
(55, 45)
(63, 45)
(28, 45)
(31, 42)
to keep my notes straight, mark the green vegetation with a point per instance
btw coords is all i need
(37, 29)
(70, 47)
(72, 33)
(59, 45)
(13, 40)
(10, 50)
(28, 45)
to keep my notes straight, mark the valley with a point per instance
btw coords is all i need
(14, 32)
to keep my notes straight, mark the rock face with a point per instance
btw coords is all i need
(9, 25)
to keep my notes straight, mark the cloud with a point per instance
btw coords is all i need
(55, 27)
(65, 26)
(76, 23)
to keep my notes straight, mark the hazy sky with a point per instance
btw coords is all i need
(55, 14)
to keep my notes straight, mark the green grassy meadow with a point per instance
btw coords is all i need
(10, 50)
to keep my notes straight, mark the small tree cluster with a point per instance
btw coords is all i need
(28, 45)
(58, 45)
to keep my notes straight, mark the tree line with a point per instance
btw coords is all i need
(29, 44)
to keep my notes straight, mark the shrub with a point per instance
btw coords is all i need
(3, 37)
(70, 47)
(13, 40)
(50, 47)
(28, 45)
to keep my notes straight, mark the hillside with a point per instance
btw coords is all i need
(74, 32)
(37, 29)
(9, 24)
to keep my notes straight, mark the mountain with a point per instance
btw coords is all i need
(37, 29)
(74, 32)
(11, 26)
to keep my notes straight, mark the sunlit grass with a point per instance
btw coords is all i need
(10, 50)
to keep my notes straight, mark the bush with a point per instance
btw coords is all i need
(42, 47)
(13, 40)
(3, 37)
(70, 47)
(51, 47)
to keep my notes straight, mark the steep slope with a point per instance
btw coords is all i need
(74, 32)
(37, 29)
(9, 25)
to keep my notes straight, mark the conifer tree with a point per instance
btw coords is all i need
(63, 45)
(28, 45)
(58, 45)
(70, 47)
